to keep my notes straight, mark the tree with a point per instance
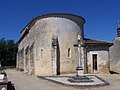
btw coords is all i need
(8, 51)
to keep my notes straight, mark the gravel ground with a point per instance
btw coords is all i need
(22, 81)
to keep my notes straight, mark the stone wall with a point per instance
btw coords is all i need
(115, 56)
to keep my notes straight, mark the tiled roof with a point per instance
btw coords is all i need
(88, 41)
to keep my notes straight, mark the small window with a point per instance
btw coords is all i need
(41, 53)
(69, 52)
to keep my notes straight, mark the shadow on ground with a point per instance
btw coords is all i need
(112, 72)
(10, 86)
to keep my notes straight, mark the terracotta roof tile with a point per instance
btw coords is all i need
(88, 41)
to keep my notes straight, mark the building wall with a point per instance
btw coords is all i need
(40, 39)
(27, 45)
(115, 56)
(102, 59)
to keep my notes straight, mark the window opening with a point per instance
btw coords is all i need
(41, 53)
(69, 52)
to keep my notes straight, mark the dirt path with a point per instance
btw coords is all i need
(22, 81)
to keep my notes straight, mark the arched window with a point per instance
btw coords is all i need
(69, 52)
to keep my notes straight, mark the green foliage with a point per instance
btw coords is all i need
(8, 51)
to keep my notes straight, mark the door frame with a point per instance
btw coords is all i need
(95, 63)
(94, 71)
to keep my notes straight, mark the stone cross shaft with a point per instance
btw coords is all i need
(79, 67)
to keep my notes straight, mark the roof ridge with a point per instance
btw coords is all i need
(97, 40)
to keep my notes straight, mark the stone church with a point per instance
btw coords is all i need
(46, 47)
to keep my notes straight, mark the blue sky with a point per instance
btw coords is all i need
(101, 15)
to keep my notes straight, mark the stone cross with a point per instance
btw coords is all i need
(79, 67)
